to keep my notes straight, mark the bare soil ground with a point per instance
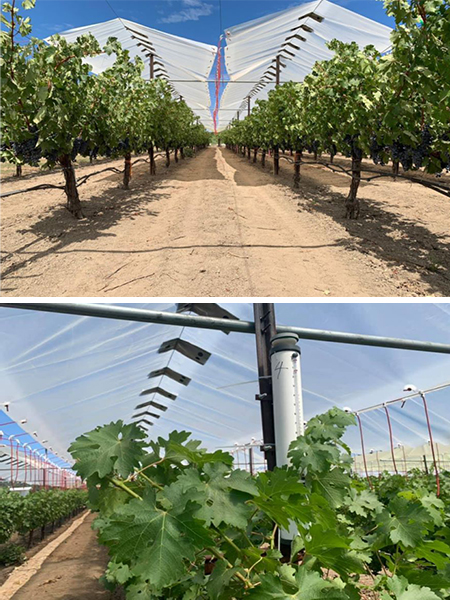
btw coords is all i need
(36, 543)
(72, 571)
(216, 225)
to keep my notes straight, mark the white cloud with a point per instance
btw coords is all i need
(192, 11)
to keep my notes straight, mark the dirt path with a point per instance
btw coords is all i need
(72, 571)
(219, 226)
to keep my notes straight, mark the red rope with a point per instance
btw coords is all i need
(391, 439)
(25, 469)
(17, 459)
(218, 78)
(436, 470)
(12, 461)
(363, 450)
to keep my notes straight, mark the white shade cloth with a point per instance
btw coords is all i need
(175, 57)
(67, 374)
(252, 47)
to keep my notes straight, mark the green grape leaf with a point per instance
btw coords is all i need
(402, 590)
(113, 448)
(332, 485)
(330, 425)
(332, 551)
(156, 541)
(436, 552)
(142, 590)
(363, 503)
(434, 507)
(220, 494)
(297, 584)
(106, 499)
(118, 573)
(313, 456)
(427, 578)
(280, 483)
(281, 497)
(404, 522)
(220, 579)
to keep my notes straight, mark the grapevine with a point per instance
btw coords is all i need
(392, 108)
(53, 109)
(167, 508)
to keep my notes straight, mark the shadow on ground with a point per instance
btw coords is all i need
(393, 238)
(102, 213)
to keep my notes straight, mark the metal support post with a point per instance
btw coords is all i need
(265, 329)
(152, 66)
(276, 150)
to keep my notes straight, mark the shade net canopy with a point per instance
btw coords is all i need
(185, 63)
(298, 36)
(67, 374)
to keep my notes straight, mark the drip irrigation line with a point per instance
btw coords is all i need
(42, 186)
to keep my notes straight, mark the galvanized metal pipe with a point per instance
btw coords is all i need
(109, 311)
(402, 399)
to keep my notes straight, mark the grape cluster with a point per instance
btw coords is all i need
(376, 151)
(332, 150)
(124, 145)
(313, 147)
(403, 154)
(3, 148)
(27, 151)
(413, 156)
(51, 155)
(93, 152)
(81, 147)
(352, 149)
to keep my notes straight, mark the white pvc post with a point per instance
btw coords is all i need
(287, 400)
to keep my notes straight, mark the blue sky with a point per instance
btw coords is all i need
(195, 19)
